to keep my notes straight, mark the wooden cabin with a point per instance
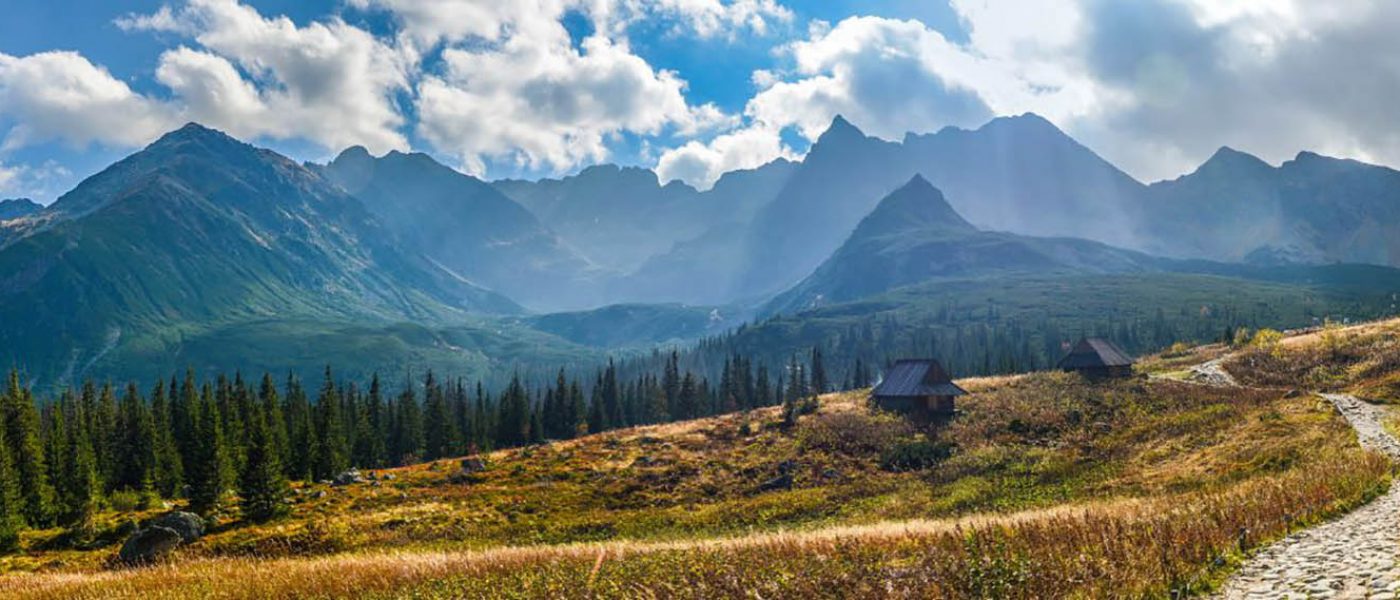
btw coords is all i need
(919, 388)
(1097, 358)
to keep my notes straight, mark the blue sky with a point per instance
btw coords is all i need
(691, 88)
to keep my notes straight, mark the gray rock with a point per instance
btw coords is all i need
(349, 477)
(473, 465)
(149, 545)
(189, 525)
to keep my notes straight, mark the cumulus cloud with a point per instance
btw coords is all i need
(1269, 78)
(529, 95)
(702, 164)
(328, 82)
(889, 77)
(61, 96)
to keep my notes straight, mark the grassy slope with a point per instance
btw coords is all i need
(1153, 466)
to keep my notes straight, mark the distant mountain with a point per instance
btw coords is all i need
(636, 325)
(1017, 174)
(469, 227)
(915, 236)
(1312, 209)
(15, 208)
(196, 232)
(621, 217)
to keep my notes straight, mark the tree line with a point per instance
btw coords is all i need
(231, 443)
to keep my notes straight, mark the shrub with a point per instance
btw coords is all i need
(915, 454)
(853, 433)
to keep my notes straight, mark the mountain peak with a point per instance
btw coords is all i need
(840, 129)
(14, 208)
(194, 133)
(1229, 158)
(915, 205)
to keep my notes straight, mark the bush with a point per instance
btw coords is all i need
(853, 433)
(915, 455)
(129, 501)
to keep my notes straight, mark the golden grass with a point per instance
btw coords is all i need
(1058, 486)
(1120, 549)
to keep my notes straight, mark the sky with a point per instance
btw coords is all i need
(690, 88)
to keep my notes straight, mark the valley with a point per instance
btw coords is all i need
(1161, 474)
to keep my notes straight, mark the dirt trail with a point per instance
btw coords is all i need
(1351, 557)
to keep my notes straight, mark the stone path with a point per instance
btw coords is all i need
(1351, 557)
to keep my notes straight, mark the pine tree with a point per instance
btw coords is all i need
(82, 487)
(270, 406)
(11, 504)
(134, 463)
(263, 488)
(407, 444)
(329, 457)
(513, 428)
(439, 436)
(22, 429)
(167, 474)
(208, 468)
(300, 432)
(820, 385)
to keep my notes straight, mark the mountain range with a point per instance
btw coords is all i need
(201, 250)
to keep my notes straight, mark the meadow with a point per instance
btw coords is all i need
(1046, 485)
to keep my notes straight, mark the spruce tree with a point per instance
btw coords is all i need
(134, 464)
(82, 487)
(11, 505)
(300, 432)
(167, 469)
(408, 428)
(22, 429)
(329, 457)
(262, 486)
(439, 436)
(208, 469)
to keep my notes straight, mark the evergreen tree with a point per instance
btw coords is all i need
(408, 428)
(263, 487)
(207, 468)
(820, 385)
(439, 436)
(300, 431)
(82, 488)
(22, 431)
(135, 460)
(167, 467)
(513, 427)
(11, 504)
(329, 457)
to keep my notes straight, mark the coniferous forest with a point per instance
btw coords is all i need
(233, 442)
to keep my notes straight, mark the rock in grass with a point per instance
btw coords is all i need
(189, 525)
(473, 465)
(781, 482)
(148, 545)
(348, 477)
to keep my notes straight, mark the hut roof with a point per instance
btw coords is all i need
(917, 377)
(1095, 352)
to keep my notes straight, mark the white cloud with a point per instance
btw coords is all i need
(328, 82)
(530, 96)
(702, 164)
(60, 96)
(35, 182)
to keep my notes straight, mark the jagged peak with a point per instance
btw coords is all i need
(353, 153)
(840, 128)
(1226, 156)
(917, 204)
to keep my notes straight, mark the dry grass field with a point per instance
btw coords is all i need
(1045, 486)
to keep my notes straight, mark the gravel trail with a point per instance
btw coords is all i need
(1351, 557)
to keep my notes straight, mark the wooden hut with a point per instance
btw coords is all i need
(919, 388)
(1097, 358)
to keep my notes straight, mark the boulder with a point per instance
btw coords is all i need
(389, 477)
(348, 477)
(189, 525)
(473, 464)
(149, 545)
